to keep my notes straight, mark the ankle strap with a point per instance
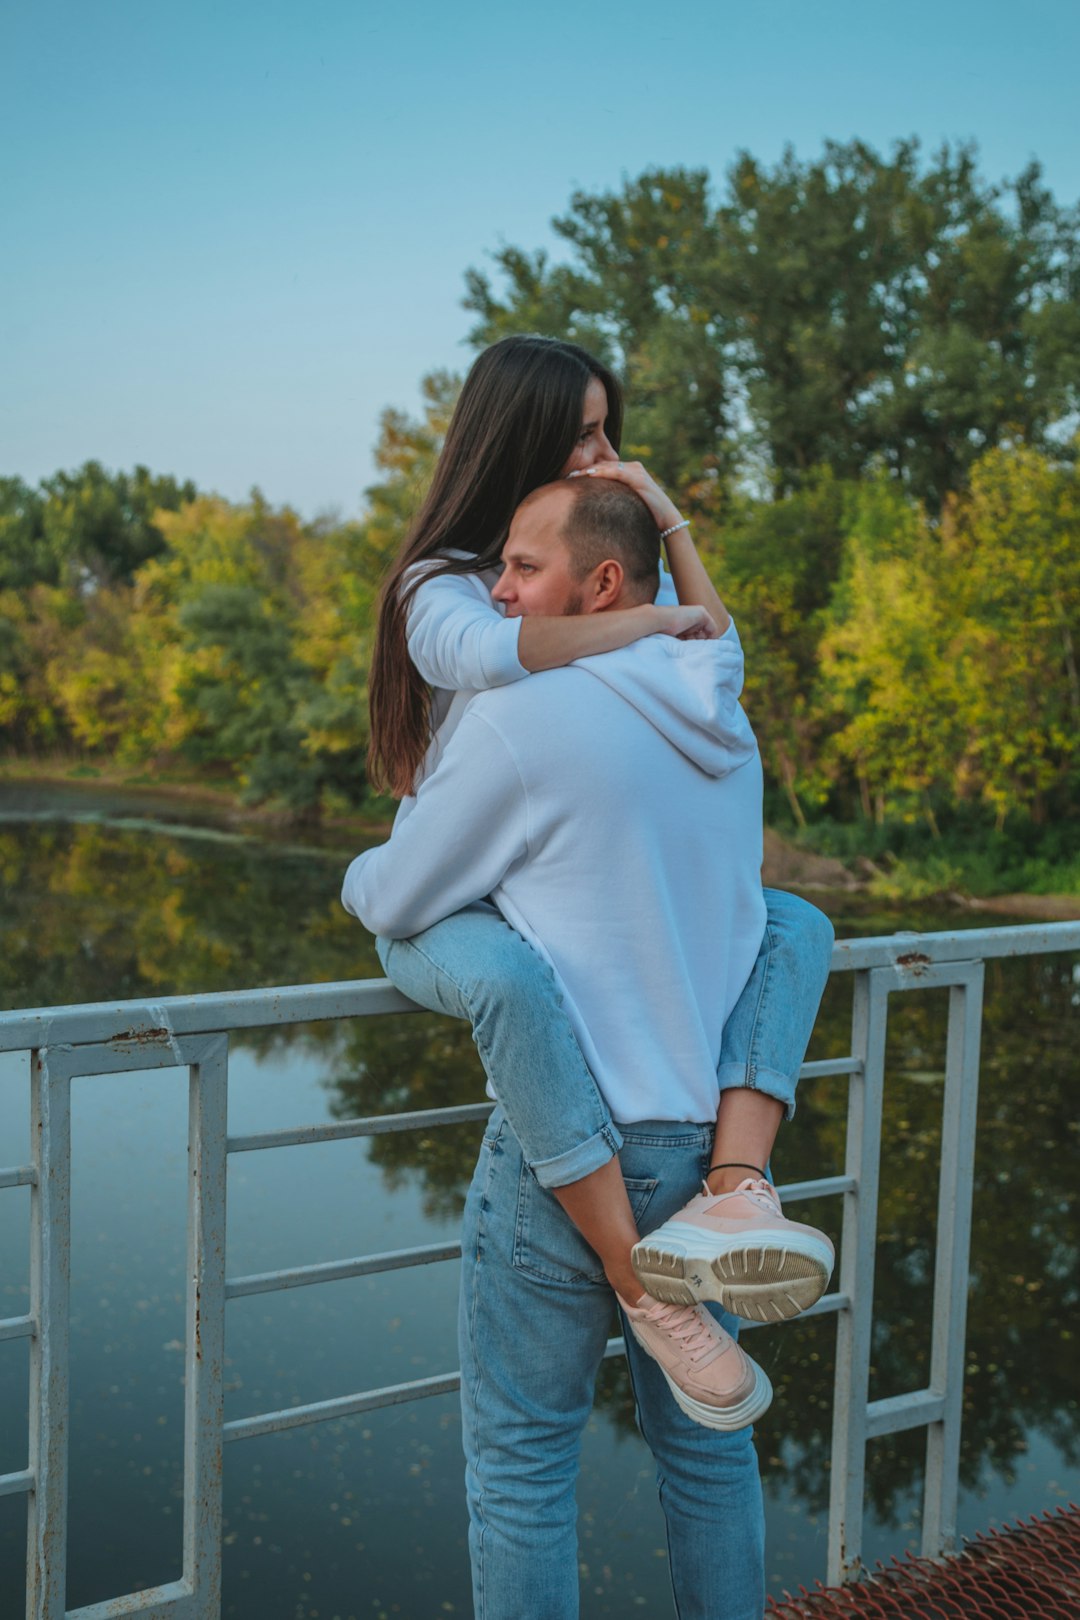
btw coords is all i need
(737, 1166)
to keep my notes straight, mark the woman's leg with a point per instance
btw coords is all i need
(733, 1243)
(473, 965)
(766, 1036)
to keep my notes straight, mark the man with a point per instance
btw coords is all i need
(612, 811)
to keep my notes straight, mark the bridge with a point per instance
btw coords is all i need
(193, 1032)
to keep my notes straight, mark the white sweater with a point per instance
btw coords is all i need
(612, 811)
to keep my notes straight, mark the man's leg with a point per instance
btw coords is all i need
(535, 1314)
(708, 1480)
(710, 1493)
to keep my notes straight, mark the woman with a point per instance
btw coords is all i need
(534, 410)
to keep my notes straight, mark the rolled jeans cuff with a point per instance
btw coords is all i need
(580, 1160)
(744, 1076)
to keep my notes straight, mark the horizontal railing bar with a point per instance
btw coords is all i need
(827, 1305)
(902, 1412)
(827, 1187)
(905, 950)
(18, 1327)
(372, 1125)
(155, 1603)
(825, 1066)
(270, 1282)
(222, 1010)
(215, 1012)
(371, 1400)
(428, 1118)
(16, 1484)
(295, 1417)
(18, 1175)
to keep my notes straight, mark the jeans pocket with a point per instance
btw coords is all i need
(547, 1244)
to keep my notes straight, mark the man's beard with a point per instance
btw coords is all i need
(573, 605)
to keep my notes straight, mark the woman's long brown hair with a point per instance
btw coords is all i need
(514, 428)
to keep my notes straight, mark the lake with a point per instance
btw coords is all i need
(107, 896)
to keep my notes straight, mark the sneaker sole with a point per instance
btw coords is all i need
(760, 1280)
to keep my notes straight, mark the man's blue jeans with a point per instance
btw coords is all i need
(475, 966)
(534, 1317)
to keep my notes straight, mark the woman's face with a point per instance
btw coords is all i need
(592, 445)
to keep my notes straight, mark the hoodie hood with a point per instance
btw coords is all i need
(689, 690)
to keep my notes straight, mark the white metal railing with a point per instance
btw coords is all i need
(66, 1043)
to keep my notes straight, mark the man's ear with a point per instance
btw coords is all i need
(605, 585)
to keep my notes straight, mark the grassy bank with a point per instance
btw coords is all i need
(899, 861)
(969, 860)
(220, 794)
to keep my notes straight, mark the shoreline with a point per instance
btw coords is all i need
(784, 866)
(185, 790)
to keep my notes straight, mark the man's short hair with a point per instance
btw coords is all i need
(606, 519)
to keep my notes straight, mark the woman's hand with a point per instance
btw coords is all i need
(632, 473)
(693, 586)
(687, 623)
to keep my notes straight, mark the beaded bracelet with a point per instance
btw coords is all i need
(675, 527)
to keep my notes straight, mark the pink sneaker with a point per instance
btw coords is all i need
(739, 1249)
(711, 1378)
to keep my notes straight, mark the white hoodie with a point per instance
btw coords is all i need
(612, 812)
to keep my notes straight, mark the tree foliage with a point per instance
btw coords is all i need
(856, 373)
(849, 311)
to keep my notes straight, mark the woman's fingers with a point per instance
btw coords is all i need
(633, 474)
(689, 623)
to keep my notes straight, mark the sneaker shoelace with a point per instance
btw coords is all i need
(761, 1193)
(700, 1337)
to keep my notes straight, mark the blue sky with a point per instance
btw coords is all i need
(235, 232)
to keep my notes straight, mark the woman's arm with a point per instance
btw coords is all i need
(548, 643)
(692, 583)
(460, 642)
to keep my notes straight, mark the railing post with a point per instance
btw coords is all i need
(858, 1242)
(951, 1264)
(50, 1288)
(205, 1337)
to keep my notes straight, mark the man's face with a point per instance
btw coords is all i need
(537, 575)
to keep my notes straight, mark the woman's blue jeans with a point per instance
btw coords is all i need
(475, 966)
(535, 1313)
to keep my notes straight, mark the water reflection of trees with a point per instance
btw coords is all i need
(100, 913)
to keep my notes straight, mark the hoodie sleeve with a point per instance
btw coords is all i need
(457, 638)
(468, 827)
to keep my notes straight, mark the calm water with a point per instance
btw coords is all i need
(106, 897)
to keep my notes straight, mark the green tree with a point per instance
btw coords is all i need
(888, 670)
(849, 311)
(98, 527)
(22, 537)
(35, 623)
(643, 294)
(101, 676)
(1012, 547)
(775, 563)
